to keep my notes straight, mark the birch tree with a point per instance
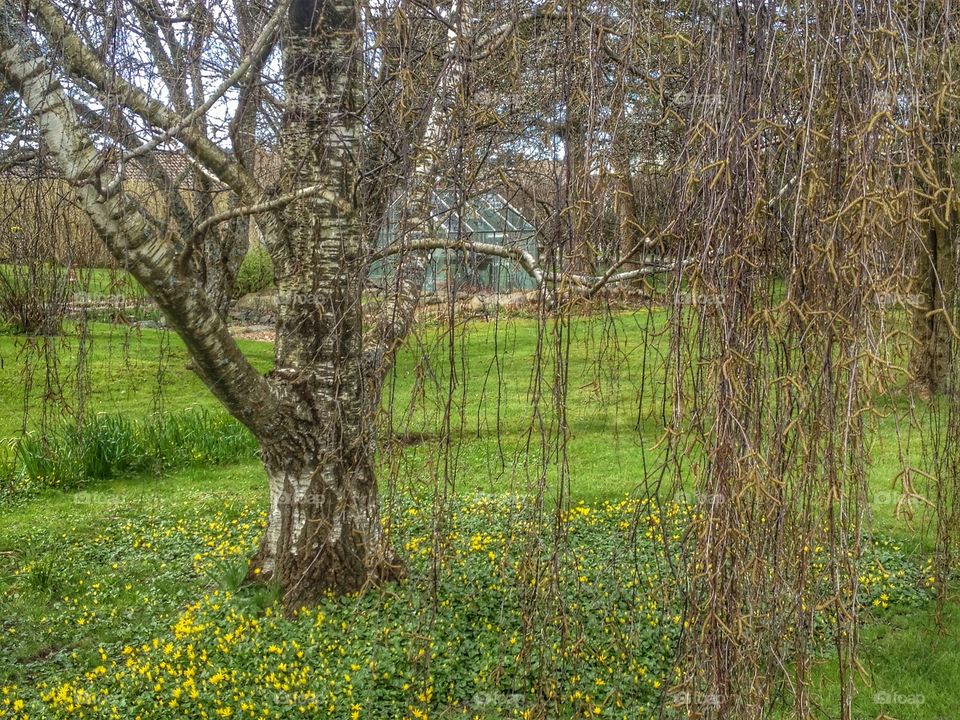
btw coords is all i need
(324, 530)
(363, 99)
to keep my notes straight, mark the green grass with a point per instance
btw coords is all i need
(177, 537)
(114, 597)
(127, 371)
(614, 414)
(910, 668)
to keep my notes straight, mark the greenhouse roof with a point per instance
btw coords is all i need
(488, 214)
(488, 217)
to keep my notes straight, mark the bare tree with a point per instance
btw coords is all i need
(324, 528)
(365, 116)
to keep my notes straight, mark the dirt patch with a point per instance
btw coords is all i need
(259, 333)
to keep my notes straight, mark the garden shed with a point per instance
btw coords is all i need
(487, 218)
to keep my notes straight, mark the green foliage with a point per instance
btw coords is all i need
(131, 585)
(147, 533)
(255, 274)
(106, 446)
(228, 574)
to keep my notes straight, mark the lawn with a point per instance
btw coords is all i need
(123, 598)
(128, 371)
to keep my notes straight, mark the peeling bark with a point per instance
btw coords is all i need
(324, 530)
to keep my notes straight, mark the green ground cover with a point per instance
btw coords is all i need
(120, 596)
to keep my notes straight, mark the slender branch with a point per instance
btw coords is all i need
(527, 261)
(789, 184)
(596, 284)
(322, 190)
(524, 258)
(173, 80)
(151, 167)
(264, 40)
(494, 40)
(611, 271)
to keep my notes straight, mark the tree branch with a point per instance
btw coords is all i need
(527, 261)
(264, 40)
(493, 41)
(82, 61)
(127, 234)
(323, 191)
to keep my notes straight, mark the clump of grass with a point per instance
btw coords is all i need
(230, 573)
(106, 446)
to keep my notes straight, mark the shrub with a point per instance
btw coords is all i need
(255, 274)
(33, 297)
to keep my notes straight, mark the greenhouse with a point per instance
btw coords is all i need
(486, 219)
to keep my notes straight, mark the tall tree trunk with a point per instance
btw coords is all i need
(936, 314)
(629, 232)
(324, 530)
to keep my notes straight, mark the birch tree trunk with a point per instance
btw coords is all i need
(324, 530)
